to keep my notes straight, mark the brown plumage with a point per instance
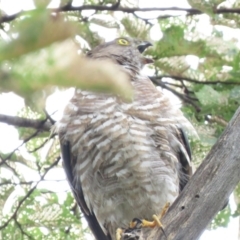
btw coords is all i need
(123, 160)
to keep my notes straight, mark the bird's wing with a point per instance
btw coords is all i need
(171, 142)
(68, 163)
(168, 126)
(184, 157)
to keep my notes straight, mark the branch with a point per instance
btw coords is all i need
(186, 98)
(20, 203)
(207, 191)
(42, 125)
(9, 18)
(28, 183)
(216, 119)
(125, 9)
(194, 80)
(4, 160)
(21, 228)
(117, 8)
(41, 145)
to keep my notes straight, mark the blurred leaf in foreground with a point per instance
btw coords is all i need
(60, 65)
(36, 30)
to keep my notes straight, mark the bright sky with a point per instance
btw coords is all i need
(10, 104)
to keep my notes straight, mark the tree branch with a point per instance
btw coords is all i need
(216, 119)
(4, 160)
(207, 191)
(179, 78)
(9, 18)
(117, 8)
(184, 97)
(42, 125)
(124, 9)
(28, 183)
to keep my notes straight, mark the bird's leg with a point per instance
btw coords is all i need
(156, 220)
(137, 224)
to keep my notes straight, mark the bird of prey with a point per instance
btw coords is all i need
(123, 160)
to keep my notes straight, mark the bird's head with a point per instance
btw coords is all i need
(123, 51)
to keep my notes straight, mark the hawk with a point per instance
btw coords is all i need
(123, 159)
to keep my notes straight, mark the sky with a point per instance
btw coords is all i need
(10, 104)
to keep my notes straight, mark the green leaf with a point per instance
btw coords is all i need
(209, 97)
(36, 30)
(62, 66)
(235, 94)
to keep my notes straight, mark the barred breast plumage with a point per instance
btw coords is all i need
(123, 160)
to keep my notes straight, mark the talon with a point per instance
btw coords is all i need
(156, 222)
(135, 223)
(119, 233)
(152, 224)
(156, 219)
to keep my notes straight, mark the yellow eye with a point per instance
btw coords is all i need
(122, 41)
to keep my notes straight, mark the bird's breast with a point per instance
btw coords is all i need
(120, 166)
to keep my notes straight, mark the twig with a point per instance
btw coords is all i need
(15, 184)
(216, 119)
(29, 183)
(21, 228)
(41, 145)
(186, 98)
(145, 20)
(194, 80)
(116, 5)
(173, 84)
(125, 9)
(12, 169)
(117, 8)
(14, 215)
(9, 18)
(42, 125)
(50, 117)
(25, 141)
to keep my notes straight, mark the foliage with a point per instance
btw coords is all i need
(38, 53)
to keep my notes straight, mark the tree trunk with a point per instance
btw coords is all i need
(207, 191)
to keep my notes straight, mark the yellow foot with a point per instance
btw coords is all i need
(138, 223)
(119, 233)
(156, 219)
(164, 210)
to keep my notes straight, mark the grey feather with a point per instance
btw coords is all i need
(123, 160)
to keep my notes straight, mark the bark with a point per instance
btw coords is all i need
(207, 191)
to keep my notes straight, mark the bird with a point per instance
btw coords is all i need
(124, 160)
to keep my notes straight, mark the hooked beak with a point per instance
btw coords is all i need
(143, 46)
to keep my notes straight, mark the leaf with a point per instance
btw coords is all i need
(41, 3)
(106, 21)
(208, 96)
(235, 94)
(38, 29)
(62, 66)
(222, 219)
(135, 29)
(174, 43)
